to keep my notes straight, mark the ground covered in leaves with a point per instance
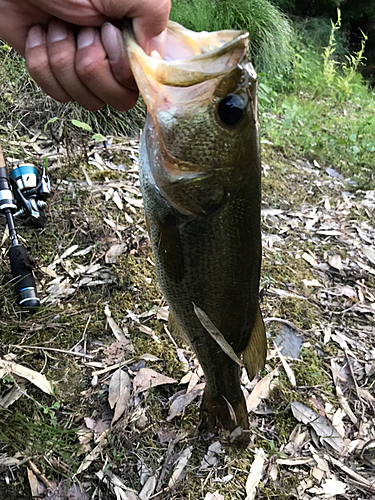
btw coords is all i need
(98, 401)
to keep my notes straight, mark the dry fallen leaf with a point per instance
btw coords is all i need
(192, 382)
(181, 400)
(116, 330)
(117, 199)
(162, 312)
(255, 474)
(148, 488)
(114, 252)
(119, 393)
(114, 225)
(310, 259)
(147, 378)
(91, 457)
(33, 483)
(14, 394)
(216, 335)
(331, 488)
(214, 496)
(32, 376)
(180, 466)
(260, 391)
(120, 490)
(9, 461)
(211, 457)
(370, 253)
(335, 261)
(345, 405)
(323, 427)
(289, 372)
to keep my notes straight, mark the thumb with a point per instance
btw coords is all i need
(150, 19)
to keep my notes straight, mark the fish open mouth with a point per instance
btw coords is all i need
(191, 59)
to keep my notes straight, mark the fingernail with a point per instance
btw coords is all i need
(35, 37)
(86, 37)
(57, 32)
(112, 42)
(158, 43)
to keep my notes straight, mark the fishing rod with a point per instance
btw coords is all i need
(31, 191)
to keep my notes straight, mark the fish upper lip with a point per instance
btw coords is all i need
(191, 70)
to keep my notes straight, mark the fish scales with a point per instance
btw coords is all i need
(200, 179)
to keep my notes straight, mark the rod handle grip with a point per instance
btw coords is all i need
(24, 278)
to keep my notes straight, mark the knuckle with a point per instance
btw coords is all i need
(37, 66)
(60, 61)
(89, 68)
(165, 6)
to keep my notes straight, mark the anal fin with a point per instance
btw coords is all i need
(255, 353)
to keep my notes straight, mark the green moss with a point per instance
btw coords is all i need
(311, 372)
(298, 311)
(283, 489)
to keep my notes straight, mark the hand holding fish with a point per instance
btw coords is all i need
(74, 52)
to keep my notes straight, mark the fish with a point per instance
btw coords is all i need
(200, 177)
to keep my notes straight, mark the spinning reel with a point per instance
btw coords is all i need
(31, 190)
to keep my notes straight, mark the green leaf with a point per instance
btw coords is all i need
(264, 87)
(264, 98)
(353, 138)
(98, 137)
(83, 125)
(51, 120)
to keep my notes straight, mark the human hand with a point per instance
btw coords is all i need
(73, 51)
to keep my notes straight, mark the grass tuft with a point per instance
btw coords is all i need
(270, 31)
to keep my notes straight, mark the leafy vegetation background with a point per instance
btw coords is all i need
(311, 84)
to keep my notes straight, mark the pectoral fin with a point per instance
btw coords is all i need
(255, 353)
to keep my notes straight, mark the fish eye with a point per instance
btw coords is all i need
(231, 109)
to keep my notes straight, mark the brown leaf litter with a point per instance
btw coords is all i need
(312, 411)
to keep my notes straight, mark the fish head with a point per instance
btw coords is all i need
(202, 132)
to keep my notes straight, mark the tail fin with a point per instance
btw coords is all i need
(255, 353)
(220, 413)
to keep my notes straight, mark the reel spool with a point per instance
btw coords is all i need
(31, 189)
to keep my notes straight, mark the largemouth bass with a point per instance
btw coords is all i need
(200, 178)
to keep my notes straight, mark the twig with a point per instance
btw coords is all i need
(343, 311)
(79, 354)
(116, 366)
(41, 476)
(347, 353)
(164, 490)
(171, 338)
(285, 322)
(364, 448)
(83, 335)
